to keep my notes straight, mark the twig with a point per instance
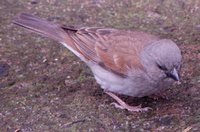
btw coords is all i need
(187, 129)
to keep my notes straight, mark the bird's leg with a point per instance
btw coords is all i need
(122, 105)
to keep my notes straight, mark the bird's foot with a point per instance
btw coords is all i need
(132, 108)
(122, 105)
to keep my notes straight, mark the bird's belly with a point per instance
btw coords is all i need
(136, 87)
(120, 86)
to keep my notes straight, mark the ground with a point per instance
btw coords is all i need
(44, 87)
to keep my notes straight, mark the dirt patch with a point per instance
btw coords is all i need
(43, 87)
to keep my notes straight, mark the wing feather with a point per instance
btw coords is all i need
(115, 50)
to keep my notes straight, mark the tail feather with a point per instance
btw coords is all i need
(41, 26)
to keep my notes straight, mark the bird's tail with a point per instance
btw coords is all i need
(41, 26)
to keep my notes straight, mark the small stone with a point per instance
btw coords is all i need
(4, 68)
(33, 2)
(45, 60)
(63, 116)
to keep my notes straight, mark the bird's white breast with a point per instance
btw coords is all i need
(132, 86)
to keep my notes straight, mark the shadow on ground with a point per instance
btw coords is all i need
(43, 87)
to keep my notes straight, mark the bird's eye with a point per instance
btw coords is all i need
(162, 68)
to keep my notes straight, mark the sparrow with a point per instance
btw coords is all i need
(131, 63)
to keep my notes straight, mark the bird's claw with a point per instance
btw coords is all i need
(132, 108)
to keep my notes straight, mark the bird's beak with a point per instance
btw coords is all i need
(174, 75)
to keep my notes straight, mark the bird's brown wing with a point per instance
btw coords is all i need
(115, 50)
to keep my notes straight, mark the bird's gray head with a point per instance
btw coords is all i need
(164, 57)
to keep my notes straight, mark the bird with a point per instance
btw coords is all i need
(123, 62)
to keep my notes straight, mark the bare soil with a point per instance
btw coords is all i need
(44, 87)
